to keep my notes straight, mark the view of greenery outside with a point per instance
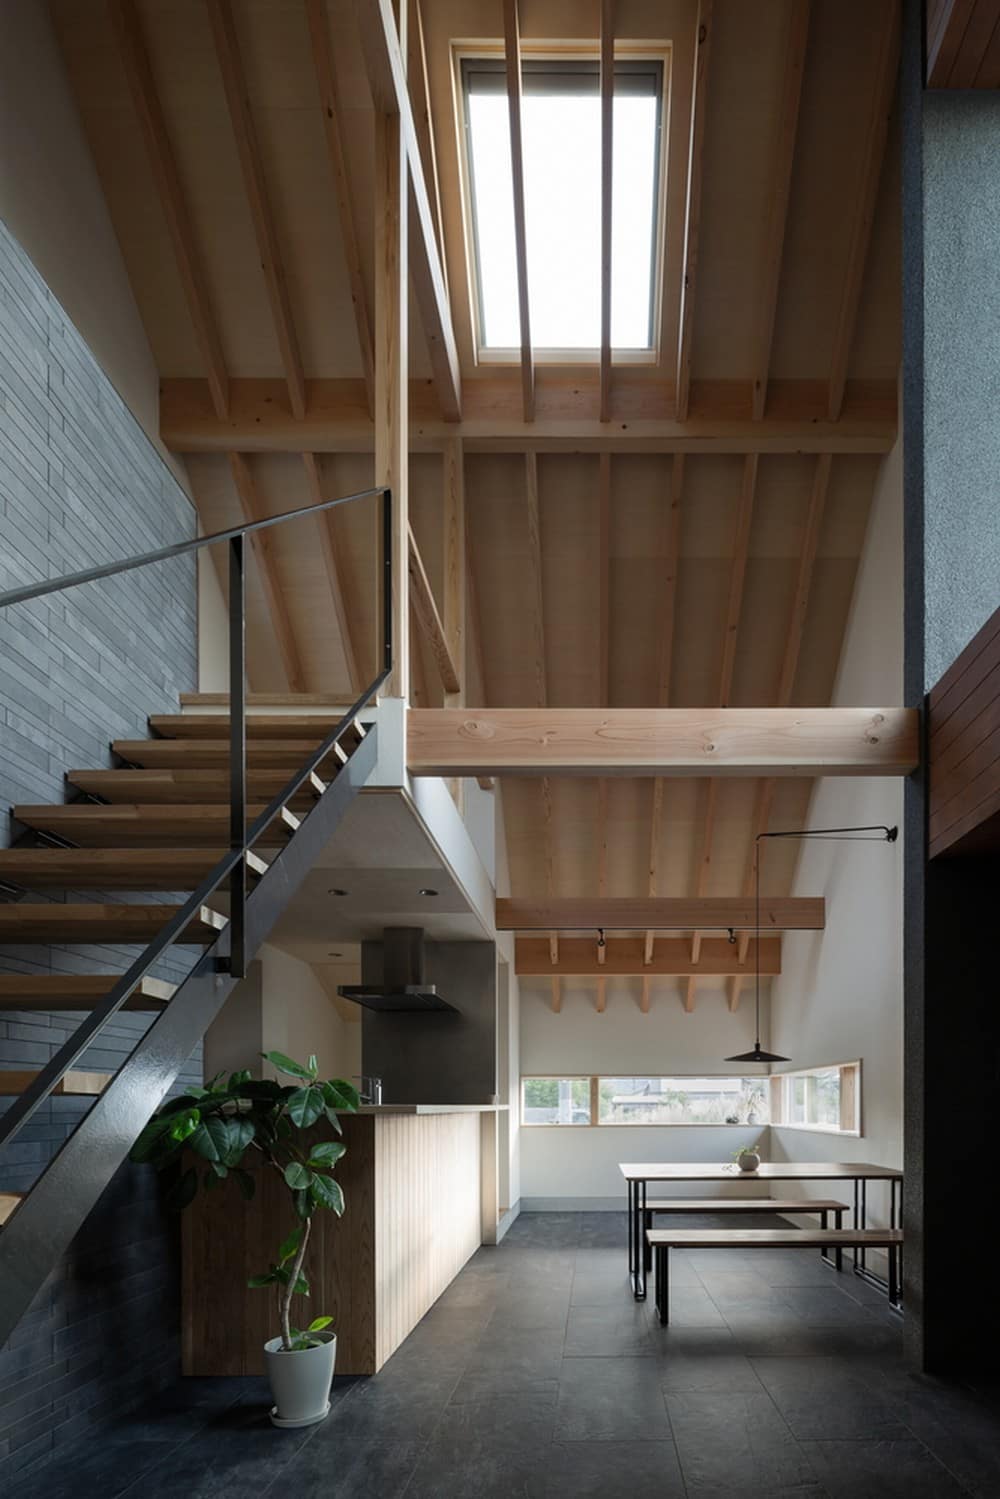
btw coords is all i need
(683, 1100)
(815, 1099)
(556, 1100)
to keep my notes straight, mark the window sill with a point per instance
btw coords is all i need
(820, 1129)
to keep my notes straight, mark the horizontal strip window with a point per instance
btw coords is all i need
(636, 78)
(824, 1099)
(618, 1101)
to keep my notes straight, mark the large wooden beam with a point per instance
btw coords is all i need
(329, 95)
(227, 50)
(663, 741)
(666, 913)
(387, 77)
(796, 39)
(624, 957)
(512, 53)
(864, 209)
(274, 594)
(135, 59)
(692, 209)
(720, 418)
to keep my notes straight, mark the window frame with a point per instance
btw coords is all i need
(781, 1086)
(596, 1079)
(659, 53)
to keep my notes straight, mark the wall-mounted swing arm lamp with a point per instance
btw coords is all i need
(877, 833)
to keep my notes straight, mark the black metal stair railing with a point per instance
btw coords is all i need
(44, 1223)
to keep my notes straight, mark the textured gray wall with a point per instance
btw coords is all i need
(80, 484)
(961, 184)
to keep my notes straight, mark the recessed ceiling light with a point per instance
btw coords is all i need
(427, 891)
(335, 891)
(335, 954)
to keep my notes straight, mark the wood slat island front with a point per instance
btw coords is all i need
(411, 1181)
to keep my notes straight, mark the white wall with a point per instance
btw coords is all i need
(301, 1018)
(576, 1167)
(52, 202)
(840, 994)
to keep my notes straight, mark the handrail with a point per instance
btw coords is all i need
(176, 549)
(232, 865)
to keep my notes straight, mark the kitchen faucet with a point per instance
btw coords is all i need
(371, 1089)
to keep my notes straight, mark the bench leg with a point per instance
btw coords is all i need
(647, 1223)
(839, 1215)
(663, 1284)
(893, 1275)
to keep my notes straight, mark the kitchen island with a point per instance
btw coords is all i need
(411, 1179)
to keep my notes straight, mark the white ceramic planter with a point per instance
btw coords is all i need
(748, 1160)
(300, 1382)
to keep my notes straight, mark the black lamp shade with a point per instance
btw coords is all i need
(758, 1056)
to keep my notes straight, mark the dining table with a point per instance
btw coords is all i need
(859, 1173)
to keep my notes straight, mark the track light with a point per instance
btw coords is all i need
(600, 937)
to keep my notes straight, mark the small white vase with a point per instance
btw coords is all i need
(748, 1160)
(300, 1382)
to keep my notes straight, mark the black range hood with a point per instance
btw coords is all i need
(403, 986)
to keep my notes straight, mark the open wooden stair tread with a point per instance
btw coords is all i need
(8, 1202)
(296, 726)
(74, 1083)
(184, 787)
(113, 868)
(55, 922)
(268, 700)
(77, 991)
(152, 825)
(213, 754)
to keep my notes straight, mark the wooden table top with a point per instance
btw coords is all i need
(712, 1171)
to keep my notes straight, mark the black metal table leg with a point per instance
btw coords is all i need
(647, 1248)
(663, 1283)
(839, 1256)
(893, 1275)
(639, 1216)
(631, 1227)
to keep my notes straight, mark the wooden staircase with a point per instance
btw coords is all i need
(157, 822)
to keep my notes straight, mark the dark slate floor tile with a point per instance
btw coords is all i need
(530, 1309)
(86, 1469)
(605, 1470)
(725, 1441)
(693, 1306)
(610, 1399)
(390, 1406)
(339, 1470)
(961, 1431)
(881, 1470)
(681, 1372)
(825, 1306)
(237, 1456)
(492, 1449)
(609, 1332)
(827, 1399)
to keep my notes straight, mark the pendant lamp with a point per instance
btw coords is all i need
(877, 834)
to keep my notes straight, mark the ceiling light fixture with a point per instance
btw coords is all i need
(875, 834)
(427, 891)
(335, 891)
(600, 937)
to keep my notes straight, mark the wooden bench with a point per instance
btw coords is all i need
(821, 1205)
(661, 1240)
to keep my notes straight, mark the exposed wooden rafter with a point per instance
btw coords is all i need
(335, 565)
(329, 96)
(692, 212)
(668, 913)
(227, 49)
(429, 619)
(274, 593)
(671, 554)
(387, 78)
(665, 741)
(534, 519)
(135, 59)
(873, 154)
(512, 53)
(797, 38)
(418, 79)
(624, 958)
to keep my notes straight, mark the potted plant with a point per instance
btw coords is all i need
(235, 1124)
(747, 1157)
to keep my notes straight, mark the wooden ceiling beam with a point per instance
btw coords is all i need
(667, 913)
(719, 420)
(336, 568)
(796, 41)
(668, 585)
(392, 415)
(512, 55)
(625, 958)
(534, 520)
(227, 50)
(387, 78)
(607, 86)
(262, 543)
(663, 741)
(418, 80)
(429, 619)
(873, 154)
(603, 654)
(329, 96)
(454, 564)
(692, 208)
(135, 59)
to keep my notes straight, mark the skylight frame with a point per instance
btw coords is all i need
(567, 54)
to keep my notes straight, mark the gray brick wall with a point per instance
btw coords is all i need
(81, 484)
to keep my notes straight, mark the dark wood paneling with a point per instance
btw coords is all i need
(964, 746)
(962, 43)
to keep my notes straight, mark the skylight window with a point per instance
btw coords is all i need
(561, 130)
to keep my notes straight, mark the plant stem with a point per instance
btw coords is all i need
(289, 1290)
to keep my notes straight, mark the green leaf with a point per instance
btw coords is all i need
(327, 1153)
(312, 1066)
(183, 1125)
(290, 1246)
(318, 1324)
(303, 1204)
(237, 1079)
(220, 1170)
(347, 1093)
(327, 1194)
(152, 1138)
(244, 1181)
(264, 1091)
(297, 1176)
(183, 1191)
(239, 1133)
(215, 1084)
(301, 1286)
(256, 1281)
(211, 1138)
(285, 1064)
(305, 1106)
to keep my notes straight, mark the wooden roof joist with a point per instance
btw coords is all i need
(624, 957)
(662, 741)
(793, 913)
(567, 418)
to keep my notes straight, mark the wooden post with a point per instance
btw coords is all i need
(391, 425)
